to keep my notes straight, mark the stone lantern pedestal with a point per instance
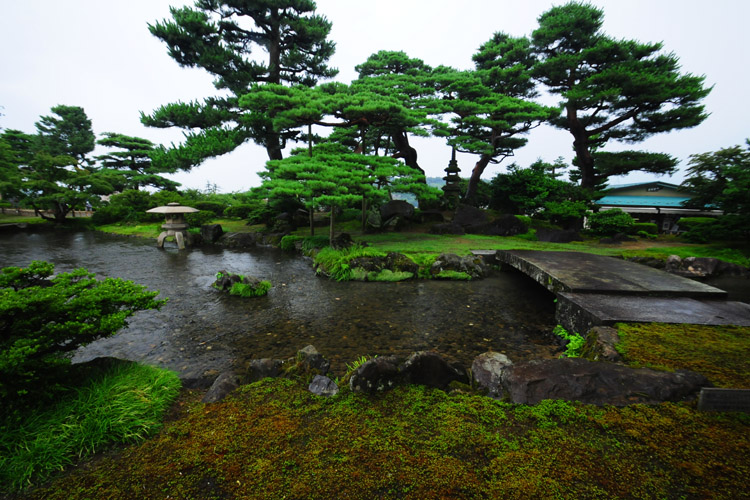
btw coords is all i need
(175, 224)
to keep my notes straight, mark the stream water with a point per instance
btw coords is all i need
(201, 331)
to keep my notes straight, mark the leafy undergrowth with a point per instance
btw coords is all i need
(720, 353)
(273, 439)
(121, 403)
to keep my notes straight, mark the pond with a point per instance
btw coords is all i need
(201, 331)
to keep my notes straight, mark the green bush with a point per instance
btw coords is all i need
(646, 227)
(242, 210)
(609, 222)
(335, 263)
(43, 320)
(197, 219)
(724, 228)
(211, 206)
(644, 234)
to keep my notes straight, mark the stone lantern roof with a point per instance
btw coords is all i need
(172, 208)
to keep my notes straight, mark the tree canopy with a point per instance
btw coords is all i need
(720, 180)
(621, 90)
(221, 37)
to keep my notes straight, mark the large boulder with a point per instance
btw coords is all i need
(598, 383)
(211, 232)
(431, 369)
(376, 375)
(487, 370)
(473, 265)
(505, 225)
(396, 208)
(239, 240)
(469, 218)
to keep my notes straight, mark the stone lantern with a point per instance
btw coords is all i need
(175, 225)
(451, 189)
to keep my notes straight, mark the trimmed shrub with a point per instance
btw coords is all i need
(241, 211)
(645, 227)
(610, 222)
(211, 206)
(197, 219)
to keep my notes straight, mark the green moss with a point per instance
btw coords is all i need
(250, 289)
(721, 353)
(273, 439)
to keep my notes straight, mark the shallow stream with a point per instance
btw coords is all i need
(201, 331)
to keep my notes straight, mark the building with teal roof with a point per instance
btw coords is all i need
(657, 202)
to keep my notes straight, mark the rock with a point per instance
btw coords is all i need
(398, 262)
(599, 383)
(396, 208)
(473, 265)
(600, 345)
(342, 240)
(223, 385)
(469, 217)
(375, 375)
(557, 235)
(702, 266)
(674, 263)
(395, 223)
(323, 386)
(238, 240)
(431, 216)
(211, 232)
(431, 369)
(487, 369)
(505, 225)
(258, 369)
(313, 361)
(374, 221)
(447, 228)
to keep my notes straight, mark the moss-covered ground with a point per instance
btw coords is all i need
(273, 440)
(721, 353)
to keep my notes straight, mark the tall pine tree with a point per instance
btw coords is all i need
(227, 39)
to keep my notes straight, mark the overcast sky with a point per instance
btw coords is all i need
(99, 55)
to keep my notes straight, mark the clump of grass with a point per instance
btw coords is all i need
(574, 340)
(389, 276)
(720, 353)
(258, 289)
(335, 262)
(122, 404)
(448, 274)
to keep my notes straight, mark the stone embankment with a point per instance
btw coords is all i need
(492, 373)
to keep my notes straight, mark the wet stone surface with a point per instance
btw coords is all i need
(201, 332)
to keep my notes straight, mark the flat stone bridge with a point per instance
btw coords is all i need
(596, 290)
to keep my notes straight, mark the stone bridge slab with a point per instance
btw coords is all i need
(586, 273)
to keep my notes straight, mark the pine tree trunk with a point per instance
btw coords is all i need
(333, 218)
(476, 174)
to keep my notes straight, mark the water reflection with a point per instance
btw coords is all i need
(200, 329)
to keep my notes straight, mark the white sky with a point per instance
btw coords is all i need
(99, 55)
